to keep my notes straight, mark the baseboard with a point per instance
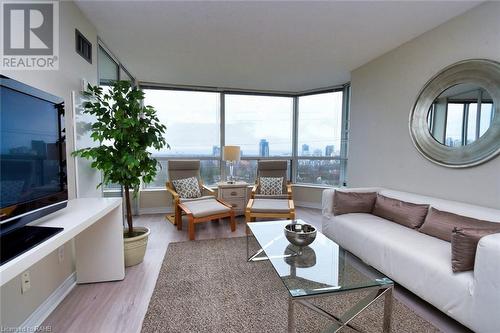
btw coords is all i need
(45, 309)
(307, 204)
(156, 210)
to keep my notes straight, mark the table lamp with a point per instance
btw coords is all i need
(231, 154)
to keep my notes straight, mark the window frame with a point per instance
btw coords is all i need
(294, 158)
(119, 66)
(344, 130)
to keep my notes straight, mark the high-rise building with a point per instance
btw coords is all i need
(215, 151)
(329, 150)
(263, 148)
(305, 150)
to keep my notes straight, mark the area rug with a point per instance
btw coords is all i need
(208, 286)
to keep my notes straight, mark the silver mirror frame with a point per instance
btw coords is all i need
(482, 72)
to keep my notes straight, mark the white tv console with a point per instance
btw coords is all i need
(96, 226)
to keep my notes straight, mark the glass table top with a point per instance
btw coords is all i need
(322, 267)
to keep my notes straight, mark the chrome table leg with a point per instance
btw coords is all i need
(387, 311)
(291, 316)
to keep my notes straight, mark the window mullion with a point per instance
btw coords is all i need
(344, 136)
(295, 139)
(222, 111)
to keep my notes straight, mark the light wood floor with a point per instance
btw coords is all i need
(120, 306)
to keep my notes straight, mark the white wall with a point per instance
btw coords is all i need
(49, 273)
(383, 92)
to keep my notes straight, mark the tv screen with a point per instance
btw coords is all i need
(32, 160)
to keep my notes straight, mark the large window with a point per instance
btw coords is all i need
(320, 124)
(304, 130)
(193, 125)
(209, 170)
(319, 138)
(192, 120)
(260, 125)
(246, 170)
(108, 68)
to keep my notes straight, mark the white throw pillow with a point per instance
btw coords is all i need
(271, 185)
(187, 188)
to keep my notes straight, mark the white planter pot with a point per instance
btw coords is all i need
(135, 247)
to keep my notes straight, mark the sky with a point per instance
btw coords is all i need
(193, 121)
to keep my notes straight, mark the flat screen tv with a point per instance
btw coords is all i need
(33, 179)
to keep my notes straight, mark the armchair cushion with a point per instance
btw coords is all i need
(187, 188)
(203, 208)
(270, 206)
(271, 185)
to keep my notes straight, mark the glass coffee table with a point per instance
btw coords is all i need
(320, 269)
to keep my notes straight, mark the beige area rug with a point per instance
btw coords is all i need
(208, 286)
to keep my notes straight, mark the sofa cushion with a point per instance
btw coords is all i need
(416, 261)
(440, 224)
(353, 202)
(187, 188)
(478, 212)
(464, 245)
(405, 213)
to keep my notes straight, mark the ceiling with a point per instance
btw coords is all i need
(282, 46)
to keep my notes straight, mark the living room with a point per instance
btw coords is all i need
(250, 166)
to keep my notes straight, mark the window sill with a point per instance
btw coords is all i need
(214, 187)
(152, 189)
(315, 186)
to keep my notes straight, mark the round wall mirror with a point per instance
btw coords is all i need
(455, 121)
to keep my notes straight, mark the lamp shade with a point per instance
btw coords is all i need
(231, 153)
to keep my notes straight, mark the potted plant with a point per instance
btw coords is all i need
(126, 129)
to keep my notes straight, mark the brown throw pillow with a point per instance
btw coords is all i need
(464, 245)
(440, 224)
(353, 202)
(405, 213)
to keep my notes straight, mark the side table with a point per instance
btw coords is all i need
(234, 194)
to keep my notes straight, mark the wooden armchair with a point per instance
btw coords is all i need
(270, 168)
(271, 206)
(179, 169)
(201, 209)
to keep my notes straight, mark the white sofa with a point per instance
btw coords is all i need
(422, 263)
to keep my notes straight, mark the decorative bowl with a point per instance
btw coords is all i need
(300, 234)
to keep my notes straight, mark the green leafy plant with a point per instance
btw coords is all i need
(126, 129)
